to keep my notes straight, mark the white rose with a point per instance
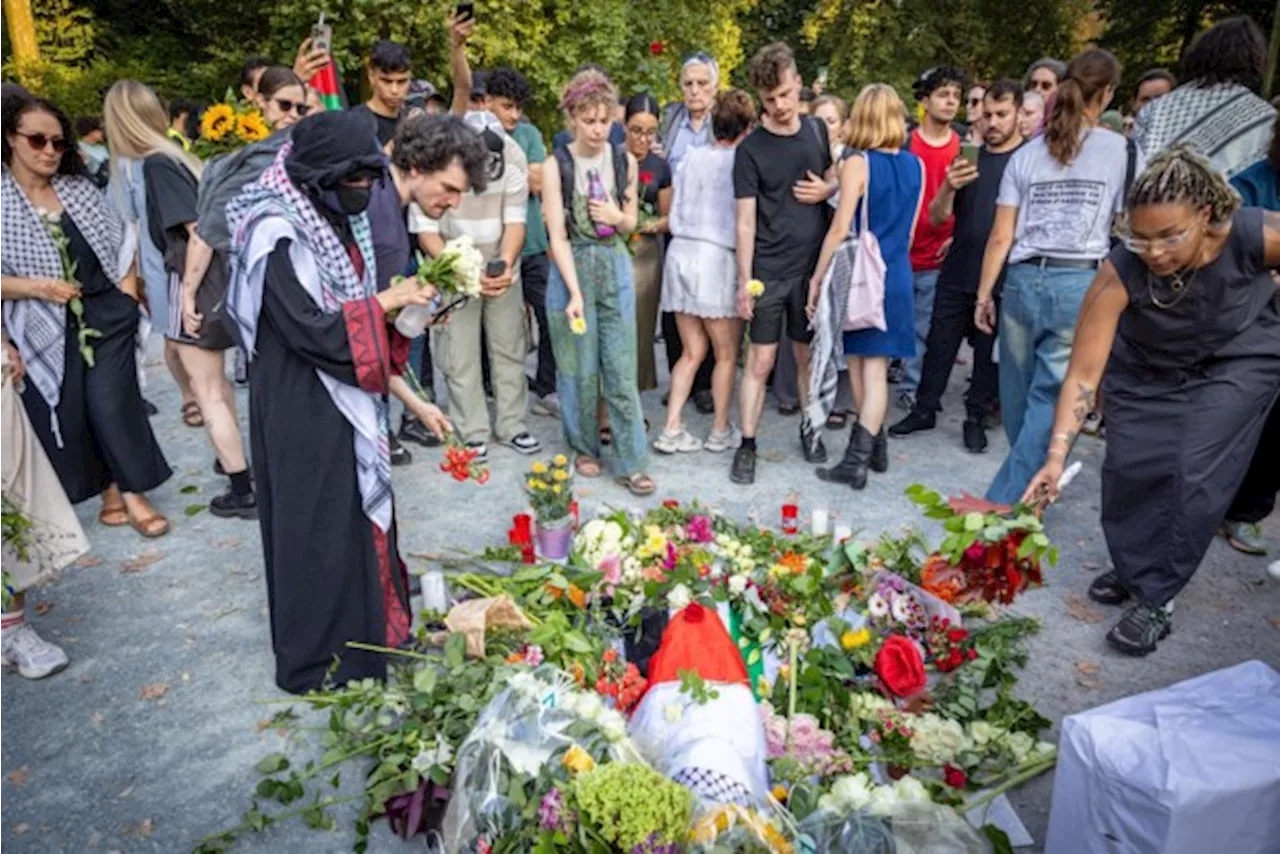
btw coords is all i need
(852, 791)
(588, 706)
(909, 789)
(883, 800)
(679, 597)
(737, 584)
(981, 732)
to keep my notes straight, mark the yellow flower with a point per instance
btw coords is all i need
(536, 484)
(560, 476)
(799, 619)
(578, 760)
(780, 794)
(251, 127)
(539, 468)
(763, 688)
(755, 288)
(557, 489)
(578, 326)
(560, 460)
(217, 122)
(852, 640)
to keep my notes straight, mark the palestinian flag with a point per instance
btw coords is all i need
(328, 82)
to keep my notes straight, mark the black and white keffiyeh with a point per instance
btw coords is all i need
(272, 209)
(1226, 123)
(39, 327)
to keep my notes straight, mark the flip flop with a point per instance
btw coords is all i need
(587, 467)
(145, 527)
(639, 484)
(191, 414)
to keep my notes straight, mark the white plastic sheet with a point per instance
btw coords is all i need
(1188, 769)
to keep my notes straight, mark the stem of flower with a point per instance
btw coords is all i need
(1017, 779)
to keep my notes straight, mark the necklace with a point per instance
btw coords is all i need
(1177, 284)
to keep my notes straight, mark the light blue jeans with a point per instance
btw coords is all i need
(924, 285)
(1037, 324)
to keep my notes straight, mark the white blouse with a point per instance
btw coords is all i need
(703, 205)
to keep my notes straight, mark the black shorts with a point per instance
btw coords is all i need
(780, 307)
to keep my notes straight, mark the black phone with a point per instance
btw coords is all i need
(495, 268)
(464, 11)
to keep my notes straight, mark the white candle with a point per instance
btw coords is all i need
(821, 518)
(843, 532)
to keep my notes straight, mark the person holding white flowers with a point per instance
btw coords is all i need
(324, 356)
(493, 217)
(75, 331)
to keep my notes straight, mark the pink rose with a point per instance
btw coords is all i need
(612, 569)
(775, 734)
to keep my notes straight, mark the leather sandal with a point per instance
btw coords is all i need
(146, 526)
(639, 484)
(113, 516)
(191, 414)
(587, 467)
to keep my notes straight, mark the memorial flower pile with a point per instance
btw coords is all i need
(874, 694)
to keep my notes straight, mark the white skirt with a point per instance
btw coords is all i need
(700, 278)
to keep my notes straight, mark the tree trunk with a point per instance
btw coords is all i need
(22, 31)
(1273, 52)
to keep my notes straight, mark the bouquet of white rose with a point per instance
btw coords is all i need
(454, 273)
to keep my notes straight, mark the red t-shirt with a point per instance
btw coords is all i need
(929, 238)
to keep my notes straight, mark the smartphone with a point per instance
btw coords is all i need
(464, 11)
(321, 35)
(495, 268)
(969, 151)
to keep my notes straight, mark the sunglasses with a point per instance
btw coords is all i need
(1044, 85)
(299, 107)
(39, 142)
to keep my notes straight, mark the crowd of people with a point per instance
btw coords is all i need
(1100, 265)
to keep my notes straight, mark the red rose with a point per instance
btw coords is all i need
(955, 777)
(656, 48)
(646, 177)
(957, 635)
(900, 667)
(671, 504)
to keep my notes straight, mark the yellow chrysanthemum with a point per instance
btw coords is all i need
(539, 468)
(535, 484)
(578, 760)
(578, 326)
(251, 127)
(561, 476)
(851, 640)
(217, 121)
(560, 460)
(755, 288)
(557, 489)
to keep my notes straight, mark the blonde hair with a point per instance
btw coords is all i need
(588, 89)
(878, 119)
(137, 125)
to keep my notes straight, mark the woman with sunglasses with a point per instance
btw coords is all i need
(641, 122)
(82, 396)
(135, 124)
(1185, 319)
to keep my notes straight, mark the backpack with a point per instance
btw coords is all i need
(564, 159)
(865, 306)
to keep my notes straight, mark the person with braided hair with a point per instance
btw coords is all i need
(1187, 311)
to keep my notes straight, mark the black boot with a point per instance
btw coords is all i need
(879, 462)
(853, 468)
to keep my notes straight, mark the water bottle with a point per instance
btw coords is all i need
(412, 320)
(596, 193)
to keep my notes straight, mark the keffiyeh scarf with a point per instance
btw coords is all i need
(272, 209)
(39, 327)
(1226, 123)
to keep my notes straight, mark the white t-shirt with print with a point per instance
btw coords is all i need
(1066, 211)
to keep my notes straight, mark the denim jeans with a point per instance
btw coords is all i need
(1037, 323)
(924, 285)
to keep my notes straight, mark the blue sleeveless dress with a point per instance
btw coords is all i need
(895, 192)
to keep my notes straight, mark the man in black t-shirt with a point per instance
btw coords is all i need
(969, 191)
(389, 73)
(782, 178)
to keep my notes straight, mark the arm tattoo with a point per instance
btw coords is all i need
(1086, 400)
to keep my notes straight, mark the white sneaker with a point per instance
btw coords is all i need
(34, 656)
(677, 442)
(718, 443)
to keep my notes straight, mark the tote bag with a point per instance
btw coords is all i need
(865, 306)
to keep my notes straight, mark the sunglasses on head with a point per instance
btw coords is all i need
(299, 107)
(39, 142)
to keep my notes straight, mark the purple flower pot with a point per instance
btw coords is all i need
(555, 538)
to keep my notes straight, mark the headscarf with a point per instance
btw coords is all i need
(285, 203)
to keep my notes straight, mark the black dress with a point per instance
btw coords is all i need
(106, 435)
(1188, 389)
(332, 576)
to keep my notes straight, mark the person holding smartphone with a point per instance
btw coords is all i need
(969, 193)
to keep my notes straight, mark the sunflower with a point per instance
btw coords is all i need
(217, 121)
(251, 127)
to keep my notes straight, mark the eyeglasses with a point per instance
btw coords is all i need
(1144, 246)
(39, 142)
(299, 107)
(643, 133)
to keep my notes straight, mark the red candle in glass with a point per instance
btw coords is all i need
(524, 527)
(513, 539)
(790, 513)
(573, 511)
(527, 554)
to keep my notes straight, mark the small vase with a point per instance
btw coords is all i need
(555, 538)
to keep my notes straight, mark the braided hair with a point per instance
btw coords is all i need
(1181, 174)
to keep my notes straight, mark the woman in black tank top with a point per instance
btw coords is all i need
(1185, 319)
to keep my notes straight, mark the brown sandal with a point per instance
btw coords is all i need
(113, 516)
(587, 467)
(191, 414)
(639, 484)
(146, 527)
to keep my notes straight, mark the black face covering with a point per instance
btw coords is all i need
(346, 200)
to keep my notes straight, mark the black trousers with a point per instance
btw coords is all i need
(671, 338)
(952, 323)
(1256, 497)
(534, 270)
